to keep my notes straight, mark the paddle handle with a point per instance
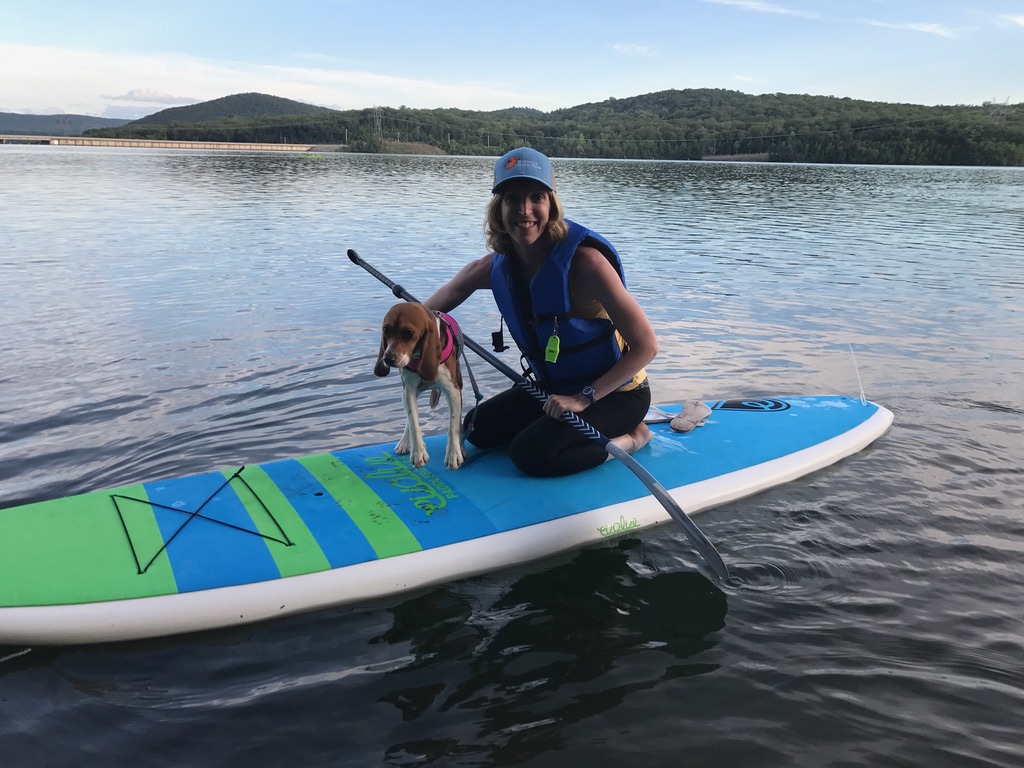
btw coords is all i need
(521, 381)
(701, 542)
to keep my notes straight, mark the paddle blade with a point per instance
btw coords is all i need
(700, 542)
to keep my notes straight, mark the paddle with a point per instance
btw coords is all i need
(700, 541)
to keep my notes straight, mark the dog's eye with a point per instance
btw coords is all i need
(407, 334)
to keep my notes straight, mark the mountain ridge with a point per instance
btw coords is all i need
(60, 124)
(688, 124)
(239, 105)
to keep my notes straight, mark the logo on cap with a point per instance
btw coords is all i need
(523, 163)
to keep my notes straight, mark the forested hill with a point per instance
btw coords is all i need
(245, 106)
(677, 124)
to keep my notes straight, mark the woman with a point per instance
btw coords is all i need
(561, 291)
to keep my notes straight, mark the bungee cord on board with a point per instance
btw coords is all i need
(856, 370)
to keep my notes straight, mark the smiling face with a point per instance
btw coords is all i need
(525, 211)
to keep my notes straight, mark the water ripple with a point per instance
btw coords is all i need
(186, 312)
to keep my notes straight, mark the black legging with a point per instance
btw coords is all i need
(545, 447)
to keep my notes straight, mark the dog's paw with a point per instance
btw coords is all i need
(402, 446)
(454, 455)
(419, 456)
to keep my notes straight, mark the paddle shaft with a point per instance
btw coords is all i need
(701, 542)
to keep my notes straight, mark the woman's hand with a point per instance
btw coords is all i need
(556, 405)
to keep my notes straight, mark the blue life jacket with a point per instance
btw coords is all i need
(587, 348)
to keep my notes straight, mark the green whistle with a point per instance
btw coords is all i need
(551, 352)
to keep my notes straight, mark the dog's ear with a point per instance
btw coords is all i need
(381, 368)
(430, 347)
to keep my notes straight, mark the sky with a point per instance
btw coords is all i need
(131, 59)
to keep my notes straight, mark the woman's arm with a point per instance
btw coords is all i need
(475, 276)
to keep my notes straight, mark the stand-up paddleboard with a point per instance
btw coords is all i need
(255, 542)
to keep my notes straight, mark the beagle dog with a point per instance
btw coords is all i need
(424, 346)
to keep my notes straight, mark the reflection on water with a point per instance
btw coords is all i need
(542, 657)
(169, 312)
(496, 670)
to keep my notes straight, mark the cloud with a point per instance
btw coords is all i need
(95, 83)
(931, 29)
(634, 49)
(149, 96)
(760, 7)
(1018, 20)
(348, 89)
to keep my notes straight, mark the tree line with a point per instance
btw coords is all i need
(670, 125)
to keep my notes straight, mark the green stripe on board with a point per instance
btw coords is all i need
(305, 555)
(75, 550)
(383, 529)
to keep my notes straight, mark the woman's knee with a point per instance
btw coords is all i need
(554, 459)
(534, 463)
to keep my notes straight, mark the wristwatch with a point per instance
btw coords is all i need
(588, 392)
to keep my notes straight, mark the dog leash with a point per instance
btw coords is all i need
(460, 349)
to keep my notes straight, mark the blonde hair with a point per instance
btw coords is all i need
(499, 241)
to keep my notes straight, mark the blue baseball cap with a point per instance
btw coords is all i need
(523, 163)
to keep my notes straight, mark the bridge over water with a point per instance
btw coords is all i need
(88, 141)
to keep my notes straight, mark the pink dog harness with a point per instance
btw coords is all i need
(449, 338)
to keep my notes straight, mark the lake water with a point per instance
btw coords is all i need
(165, 313)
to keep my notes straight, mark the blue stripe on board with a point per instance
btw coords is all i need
(339, 538)
(205, 554)
(426, 500)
